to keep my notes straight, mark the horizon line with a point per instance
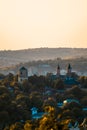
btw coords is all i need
(43, 48)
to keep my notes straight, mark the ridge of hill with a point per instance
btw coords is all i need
(10, 58)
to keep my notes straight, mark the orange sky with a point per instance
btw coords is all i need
(43, 23)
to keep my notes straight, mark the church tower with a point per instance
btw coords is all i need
(69, 70)
(23, 74)
(58, 70)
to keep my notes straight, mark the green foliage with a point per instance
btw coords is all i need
(50, 102)
(59, 84)
(36, 99)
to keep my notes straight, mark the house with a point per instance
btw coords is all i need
(36, 114)
(69, 100)
(60, 104)
(34, 110)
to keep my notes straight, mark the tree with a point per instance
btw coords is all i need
(59, 84)
(4, 119)
(26, 86)
(50, 102)
(4, 98)
(28, 125)
(84, 101)
(76, 92)
(36, 100)
(17, 126)
(83, 81)
(48, 123)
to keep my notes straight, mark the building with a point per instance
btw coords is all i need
(36, 114)
(23, 74)
(69, 100)
(69, 79)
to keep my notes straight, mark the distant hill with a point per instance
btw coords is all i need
(11, 58)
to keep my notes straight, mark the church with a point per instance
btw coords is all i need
(70, 78)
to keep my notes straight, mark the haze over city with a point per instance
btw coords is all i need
(43, 23)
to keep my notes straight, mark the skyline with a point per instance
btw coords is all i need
(28, 24)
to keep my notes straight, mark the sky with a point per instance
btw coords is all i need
(43, 23)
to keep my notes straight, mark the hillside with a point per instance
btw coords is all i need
(10, 58)
(41, 67)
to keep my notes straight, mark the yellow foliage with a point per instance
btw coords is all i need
(28, 126)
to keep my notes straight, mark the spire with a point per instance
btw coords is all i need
(69, 66)
(58, 70)
(69, 69)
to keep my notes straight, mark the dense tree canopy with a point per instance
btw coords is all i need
(17, 99)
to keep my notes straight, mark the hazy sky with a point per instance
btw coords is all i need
(43, 23)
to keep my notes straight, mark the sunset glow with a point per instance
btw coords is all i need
(43, 23)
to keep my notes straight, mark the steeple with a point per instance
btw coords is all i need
(69, 69)
(58, 70)
(69, 66)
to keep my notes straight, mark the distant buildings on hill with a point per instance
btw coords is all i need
(69, 78)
